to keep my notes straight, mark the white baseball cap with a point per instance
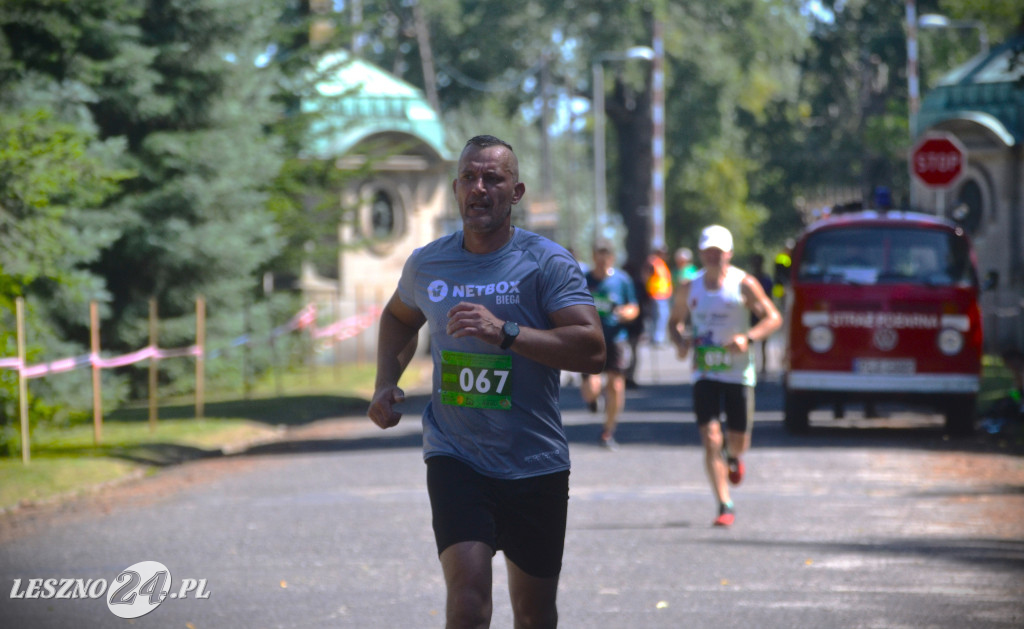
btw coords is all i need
(715, 236)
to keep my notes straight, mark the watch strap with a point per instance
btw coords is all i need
(508, 339)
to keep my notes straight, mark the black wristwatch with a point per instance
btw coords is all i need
(511, 332)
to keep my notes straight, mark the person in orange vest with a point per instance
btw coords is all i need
(685, 269)
(659, 287)
(783, 261)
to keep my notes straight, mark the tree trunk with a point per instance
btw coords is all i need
(629, 112)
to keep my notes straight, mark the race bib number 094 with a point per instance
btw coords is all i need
(713, 358)
(476, 380)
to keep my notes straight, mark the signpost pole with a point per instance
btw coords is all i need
(938, 160)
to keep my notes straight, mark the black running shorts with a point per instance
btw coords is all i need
(618, 355)
(711, 398)
(524, 518)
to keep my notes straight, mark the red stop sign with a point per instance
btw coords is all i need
(938, 160)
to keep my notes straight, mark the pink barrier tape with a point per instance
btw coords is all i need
(180, 352)
(125, 359)
(305, 318)
(348, 327)
(302, 319)
(57, 366)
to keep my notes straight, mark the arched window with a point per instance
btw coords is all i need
(382, 220)
(382, 216)
(968, 210)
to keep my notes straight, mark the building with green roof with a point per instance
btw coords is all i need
(383, 132)
(981, 105)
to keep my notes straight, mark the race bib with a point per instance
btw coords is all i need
(476, 380)
(712, 358)
(605, 306)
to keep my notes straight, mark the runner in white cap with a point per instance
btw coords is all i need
(717, 302)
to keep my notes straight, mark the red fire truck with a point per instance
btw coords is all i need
(883, 308)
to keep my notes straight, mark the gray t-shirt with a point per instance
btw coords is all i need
(492, 408)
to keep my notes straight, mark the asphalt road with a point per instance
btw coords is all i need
(859, 524)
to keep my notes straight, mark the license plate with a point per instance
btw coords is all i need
(884, 365)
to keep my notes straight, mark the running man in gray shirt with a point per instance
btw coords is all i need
(506, 310)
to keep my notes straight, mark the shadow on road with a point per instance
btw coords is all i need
(996, 554)
(657, 414)
(292, 410)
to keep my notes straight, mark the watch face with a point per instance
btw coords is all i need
(511, 331)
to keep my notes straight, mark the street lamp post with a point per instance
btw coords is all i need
(928, 21)
(597, 67)
(913, 87)
(934, 20)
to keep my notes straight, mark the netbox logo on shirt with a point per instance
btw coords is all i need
(504, 292)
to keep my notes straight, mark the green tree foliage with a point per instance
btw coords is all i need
(198, 138)
(723, 60)
(731, 65)
(770, 107)
(303, 197)
(53, 177)
(155, 149)
(844, 131)
(170, 92)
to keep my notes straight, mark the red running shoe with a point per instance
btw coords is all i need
(736, 471)
(726, 516)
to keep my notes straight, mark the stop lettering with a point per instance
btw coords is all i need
(938, 160)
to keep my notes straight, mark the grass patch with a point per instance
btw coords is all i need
(46, 478)
(66, 460)
(996, 381)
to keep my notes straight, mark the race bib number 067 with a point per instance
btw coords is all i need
(476, 380)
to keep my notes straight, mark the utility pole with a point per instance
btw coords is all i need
(426, 57)
(658, 140)
(545, 125)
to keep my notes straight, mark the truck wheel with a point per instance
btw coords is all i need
(960, 416)
(797, 414)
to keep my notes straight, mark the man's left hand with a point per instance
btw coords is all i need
(466, 319)
(740, 343)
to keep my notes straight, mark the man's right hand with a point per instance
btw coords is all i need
(382, 410)
(683, 345)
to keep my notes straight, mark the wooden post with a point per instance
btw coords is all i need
(247, 352)
(374, 330)
(311, 358)
(200, 357)
(153, 362)
(97, 391)
(335, 343)
(276, 367)
(275, 361)
(360, 350)
(26, 444)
